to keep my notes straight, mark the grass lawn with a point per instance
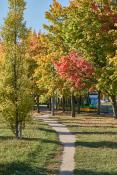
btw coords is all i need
(96, 146)
(38, 153)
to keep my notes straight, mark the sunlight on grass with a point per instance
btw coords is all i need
(37, 153)
(96, 145)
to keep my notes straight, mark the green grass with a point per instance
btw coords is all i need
(38, 153)
(96, 145)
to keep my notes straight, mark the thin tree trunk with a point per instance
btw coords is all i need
(49, 104)
(20, 130)
(52, 106)
(78, 103)
(99, 103)
(15, 99)
(72, 105)
(38, 108)
(15, 83)
(114, 106)
(63, 103)
(57, 103)
(17, 128)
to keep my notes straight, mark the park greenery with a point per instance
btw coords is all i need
(35, 154)
(15, 83)
(95, 143)
(89, 28)
(75, 56)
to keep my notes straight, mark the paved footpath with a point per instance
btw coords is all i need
(67, 139)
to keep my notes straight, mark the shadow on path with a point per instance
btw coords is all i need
(7, 138)
(102, 144)
(66, 173)
(89, 172)
(96, 133)
(78, 132)
(28, 166)
(21, 168)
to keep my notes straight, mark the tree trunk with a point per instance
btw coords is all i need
(78, 103)
(49, 104)
(38, 108)
(20, 130)
(17, 128)
(72, 105)
(57, 103)
(99, 103)
(114, 106)
(63, 103)
(52, 106)
(17, 125)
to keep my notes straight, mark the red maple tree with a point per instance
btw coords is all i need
(75, 69)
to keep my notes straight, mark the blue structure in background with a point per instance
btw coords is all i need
(93, 100)
(90, 103)
(105, 106)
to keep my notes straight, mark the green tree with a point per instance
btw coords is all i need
(16, 98)
(57, 30)
(46, 81)
(90, 28)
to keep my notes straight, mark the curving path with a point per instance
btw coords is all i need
(67, 139)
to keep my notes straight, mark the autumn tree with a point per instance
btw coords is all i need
(77, 71)
(38, 51)
(48, 85)
(48, 80)
(16, 102)
(2, 54)
(56, 15)
(96, 27)
(34, 49)
(88, 27)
